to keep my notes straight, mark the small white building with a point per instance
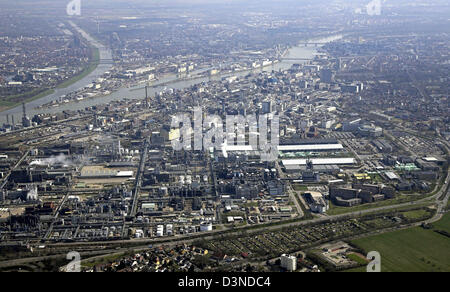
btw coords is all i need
(289, 262)
(206, 226)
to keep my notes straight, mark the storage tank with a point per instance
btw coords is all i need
(160, 231)
(169, 229)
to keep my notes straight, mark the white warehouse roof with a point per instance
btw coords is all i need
(311, 147)
(320, 161)
(430, 159)
(391, 175)
(125, 173)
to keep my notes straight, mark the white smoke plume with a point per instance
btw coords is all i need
(54, 160)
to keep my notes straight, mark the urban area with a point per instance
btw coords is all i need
(87, 157)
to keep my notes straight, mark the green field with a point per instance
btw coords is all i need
(411, 250)
(416, 214)
(357, 258)
(15, 100)
(443, 224)
(299, 188)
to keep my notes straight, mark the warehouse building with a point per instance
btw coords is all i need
(360, 193)
(320, 161)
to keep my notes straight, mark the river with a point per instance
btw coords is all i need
(175, 82)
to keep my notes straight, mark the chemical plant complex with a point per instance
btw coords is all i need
(362, 145)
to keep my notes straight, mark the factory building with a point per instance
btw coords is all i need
(383, 146)
(351, 126)
(320, 161)
(206, 226)
(360, 193)
(426, 165)
(316, 202)
(276, 188)
(325, 169)
(370, 131)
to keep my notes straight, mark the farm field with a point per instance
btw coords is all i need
(443, 224)
(411, 250)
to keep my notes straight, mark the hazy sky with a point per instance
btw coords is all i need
(56, 5)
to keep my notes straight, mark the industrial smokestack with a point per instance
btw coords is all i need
(146, 96)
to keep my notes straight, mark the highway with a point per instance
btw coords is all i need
(441, 203)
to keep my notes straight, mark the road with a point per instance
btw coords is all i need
(293, 197)
(139, 175)
(5, 181)
(18, 262)
(137, 186)
(441, 203)
(56, 214)
(291, 191)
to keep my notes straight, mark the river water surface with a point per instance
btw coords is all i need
(172, 81)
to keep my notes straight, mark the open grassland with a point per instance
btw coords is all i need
(443, 224)
(411, 250)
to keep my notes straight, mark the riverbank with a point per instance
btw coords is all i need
(43, 92)
(93, 63)
(19, 99)
(40, 106)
